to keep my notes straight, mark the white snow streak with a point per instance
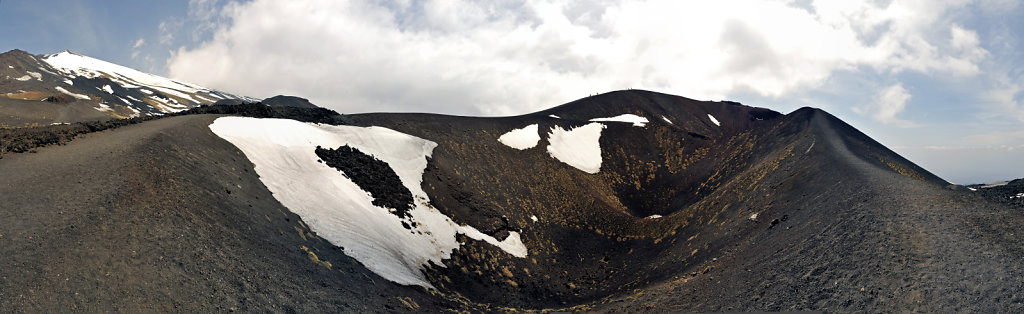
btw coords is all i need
(79, 96)
(338, 209)
(104, 107)
(667, 120)
(713, 120)
(126, 102)
(628, 118)
(579, 147)
(526, 137)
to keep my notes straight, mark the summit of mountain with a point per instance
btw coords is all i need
(68, 87)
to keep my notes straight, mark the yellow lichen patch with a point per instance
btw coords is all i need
(314, 258)
(902, 170)
(28, 95)
(301, 233)
(408, 302)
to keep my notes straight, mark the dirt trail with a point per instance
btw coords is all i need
(958, 255)
(164, 216)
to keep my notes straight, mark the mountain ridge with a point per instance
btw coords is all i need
(686, 206)
(67, 87)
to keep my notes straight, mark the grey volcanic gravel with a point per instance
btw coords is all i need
(898, 244)
(165, 216)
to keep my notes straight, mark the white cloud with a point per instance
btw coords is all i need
(506, 57)
(889, 103)
(167, 30)
(136, 46)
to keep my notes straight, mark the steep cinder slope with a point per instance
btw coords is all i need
(842, 229)
(735, 190)
(595, 235)
(708, 206)
(166, 216)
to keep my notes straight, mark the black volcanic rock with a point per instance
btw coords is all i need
(1011, 193)
(225, 102)
(371, 175)
(289, 101)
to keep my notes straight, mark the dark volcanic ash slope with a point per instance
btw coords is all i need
(710, 206)
(751, 190)
(165, 216)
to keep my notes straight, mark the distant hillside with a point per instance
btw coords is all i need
(68, 87)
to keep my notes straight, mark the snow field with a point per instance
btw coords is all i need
(341, 212)
(578, 147)
(636, 120)
(71, 63)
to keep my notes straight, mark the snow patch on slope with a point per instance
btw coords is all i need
(66, 92)
(526, 137)
(579, 147)
(283, 152)
(667, 120)
(713, 120)
(104, 107)
(628, 118)
(24, 78)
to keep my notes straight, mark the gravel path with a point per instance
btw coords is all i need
(164, 216)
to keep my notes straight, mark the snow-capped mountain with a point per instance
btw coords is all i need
(79, 88)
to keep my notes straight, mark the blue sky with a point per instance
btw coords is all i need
(938, 81)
